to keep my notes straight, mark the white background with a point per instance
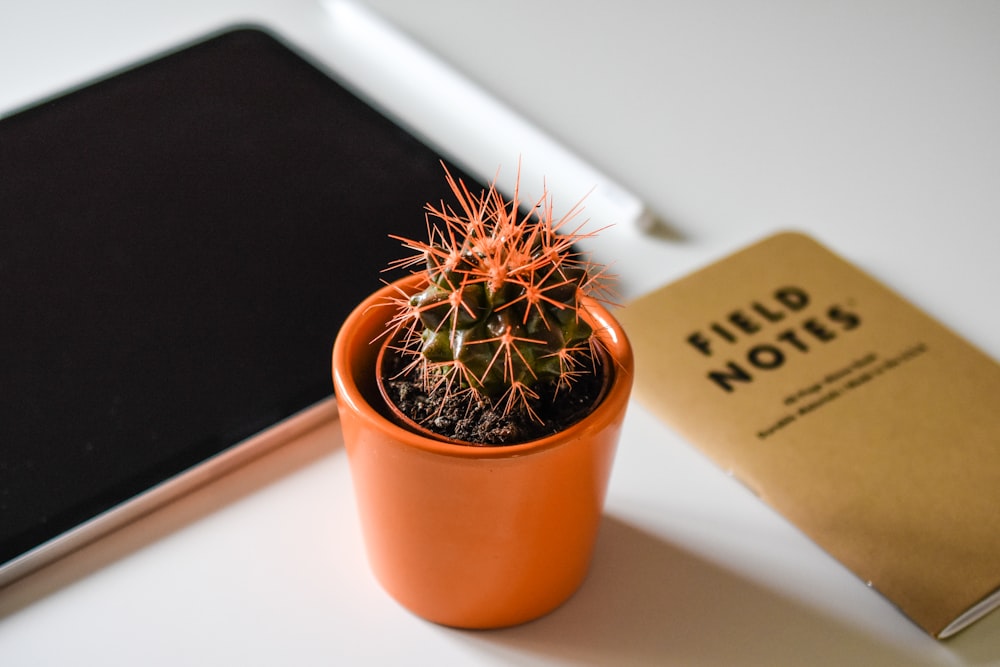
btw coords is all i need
(871, 124)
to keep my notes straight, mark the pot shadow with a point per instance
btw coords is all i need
(199, 502)
(648, 602)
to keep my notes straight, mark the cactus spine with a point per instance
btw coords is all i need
(499, 310)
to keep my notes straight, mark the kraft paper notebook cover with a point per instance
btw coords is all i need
(865, 422)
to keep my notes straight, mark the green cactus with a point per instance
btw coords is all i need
(499, 312)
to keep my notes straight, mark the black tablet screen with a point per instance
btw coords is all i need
(179, 244)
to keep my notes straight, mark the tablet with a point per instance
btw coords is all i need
(179, 243)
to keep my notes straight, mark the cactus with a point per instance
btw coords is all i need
(498, 314)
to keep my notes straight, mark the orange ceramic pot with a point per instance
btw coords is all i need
(474, 537)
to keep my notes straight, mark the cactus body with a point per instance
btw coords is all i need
(499, 314)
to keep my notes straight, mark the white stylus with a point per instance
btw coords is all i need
(467, 124)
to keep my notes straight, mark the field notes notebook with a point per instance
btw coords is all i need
(869, 425)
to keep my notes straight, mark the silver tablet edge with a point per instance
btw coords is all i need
(170, 489)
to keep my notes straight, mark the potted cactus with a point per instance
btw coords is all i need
(481, 398)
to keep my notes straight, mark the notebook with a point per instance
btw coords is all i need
(869, 425)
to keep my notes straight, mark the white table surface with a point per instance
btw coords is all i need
(872, 124)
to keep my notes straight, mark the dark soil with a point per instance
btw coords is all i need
(482, 424)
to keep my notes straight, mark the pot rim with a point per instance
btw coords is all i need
(348, 392)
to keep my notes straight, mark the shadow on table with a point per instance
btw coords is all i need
(648, 602)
